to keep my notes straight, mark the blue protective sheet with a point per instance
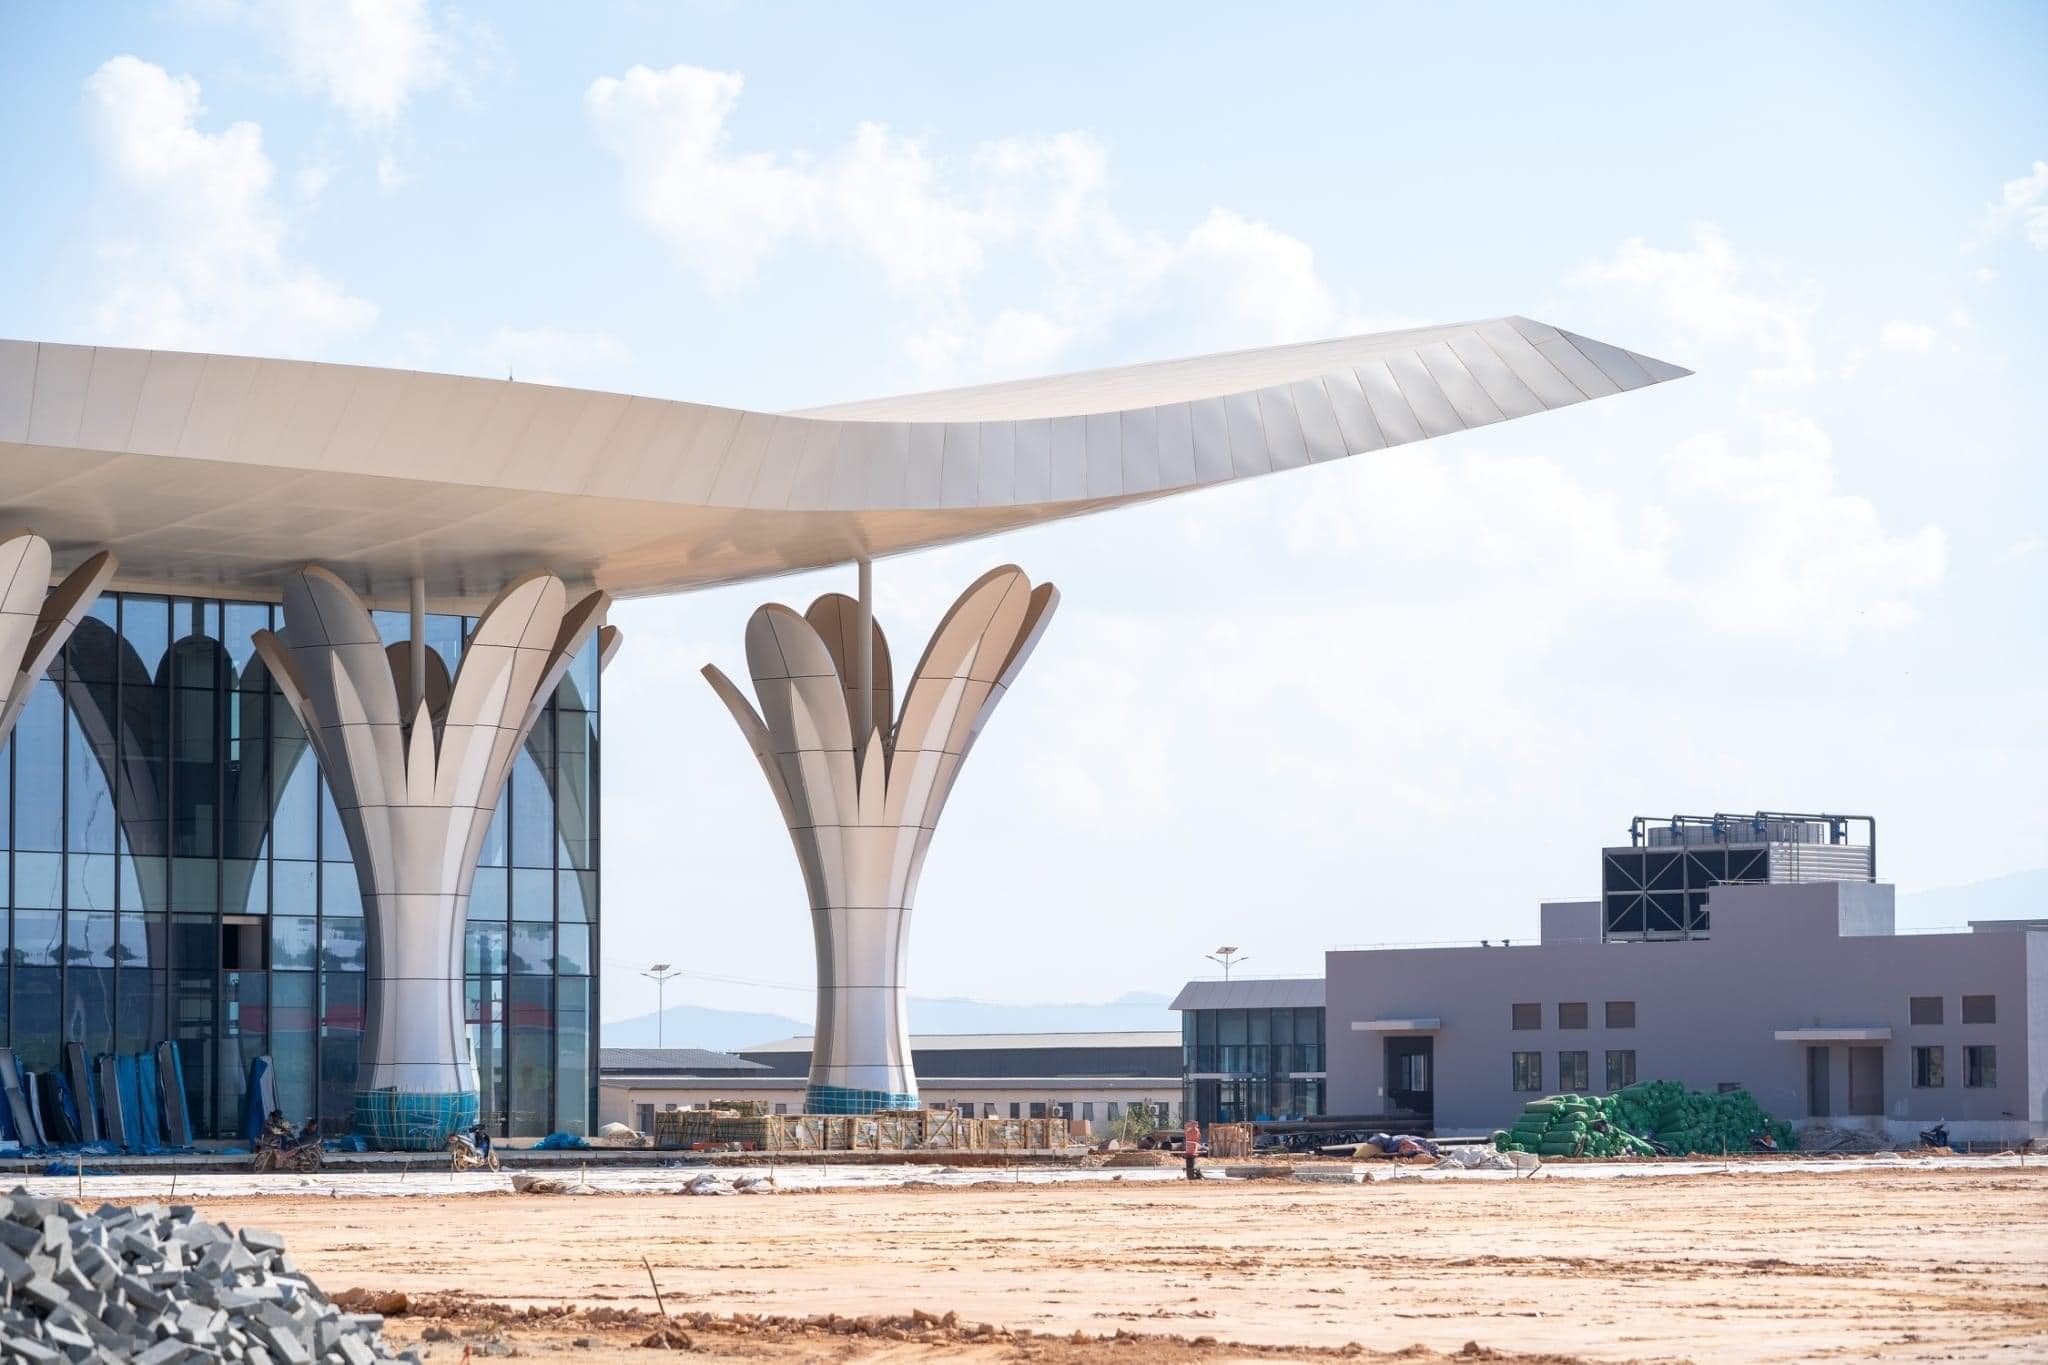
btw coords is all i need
(560, 1142)
(179, 1133)
(74, 1131)
(259, 1099)
(139, 1136)
(34, 1094)
(150, 1106)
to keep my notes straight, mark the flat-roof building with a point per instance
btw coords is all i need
(1797, 988)
(1092, 1077)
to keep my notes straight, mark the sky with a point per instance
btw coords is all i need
(1399, 698)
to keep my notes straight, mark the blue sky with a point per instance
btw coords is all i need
(1398, 699)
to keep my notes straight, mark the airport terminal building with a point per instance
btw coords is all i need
(300, 678)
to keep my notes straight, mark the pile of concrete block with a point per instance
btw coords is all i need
(159, 1285)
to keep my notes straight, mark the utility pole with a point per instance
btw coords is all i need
(659, 974)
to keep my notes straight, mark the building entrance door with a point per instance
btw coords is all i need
(1410, 1079)
(1866, 1080)
(1817, 1100)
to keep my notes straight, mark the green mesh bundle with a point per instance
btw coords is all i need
(1622, 1124)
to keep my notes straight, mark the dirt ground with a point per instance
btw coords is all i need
(1905, 1264)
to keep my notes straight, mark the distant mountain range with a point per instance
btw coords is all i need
(2018, 895)
(726, 1030)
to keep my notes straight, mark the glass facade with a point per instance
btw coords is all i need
(1240, 1065)
(174, 869)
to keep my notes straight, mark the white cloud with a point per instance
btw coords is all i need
(1907, 336)
(367, 58)
(194, 249)
(935, 230)
(2023, 205)
(1711, 293)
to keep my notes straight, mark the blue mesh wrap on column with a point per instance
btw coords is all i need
(839, 1099)
(404, 1121)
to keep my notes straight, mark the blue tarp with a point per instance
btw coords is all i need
(177, 1127)
(560, 1142)
(257, 1099)
(151, 1106)
(33, 1092)
(68, 1106)
(141, 1138)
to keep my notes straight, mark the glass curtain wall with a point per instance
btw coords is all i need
(173, 868)
(1241, 1065)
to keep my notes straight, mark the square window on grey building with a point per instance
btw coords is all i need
(1571, 1014)
(1528, 1071)
(1980, 1067)
(1621, 1014)
(1573, 1072)
(1980, 1009)
(782, 1108)
(1088, 1111)
(1527, 1016)
(1016, 1110)
(1924, 1009)
(1113, 1111)
(1621, 1068)
(1927, 1069)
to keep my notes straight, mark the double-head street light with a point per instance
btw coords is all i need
(659, 974)
(1228, 957)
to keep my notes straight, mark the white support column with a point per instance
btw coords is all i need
(35, 618)
(861, 812)
(415, 801)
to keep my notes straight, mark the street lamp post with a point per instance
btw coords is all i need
(659, 974)
(1228, 957)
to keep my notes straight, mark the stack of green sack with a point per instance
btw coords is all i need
(1681, 1121)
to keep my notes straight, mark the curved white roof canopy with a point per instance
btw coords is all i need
(214, 473)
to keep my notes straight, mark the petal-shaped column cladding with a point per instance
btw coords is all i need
(36, 619)
(415, 795)
(861, 799)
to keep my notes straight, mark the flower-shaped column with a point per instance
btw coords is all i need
(415, 795)
(36, 619)
(861, 796)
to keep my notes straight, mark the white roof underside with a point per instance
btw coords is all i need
(214, 473)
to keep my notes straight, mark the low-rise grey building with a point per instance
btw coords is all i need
(1754, 952)
(1802, 994)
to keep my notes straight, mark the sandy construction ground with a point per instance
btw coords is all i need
(1874, 1263)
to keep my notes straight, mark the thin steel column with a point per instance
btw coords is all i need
(864, 659)
(417, 650)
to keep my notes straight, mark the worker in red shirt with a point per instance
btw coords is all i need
(1191, 1146)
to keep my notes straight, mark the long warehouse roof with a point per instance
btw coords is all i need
(218, 473)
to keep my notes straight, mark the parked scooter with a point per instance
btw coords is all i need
(1937, 1136)
(278, 1148)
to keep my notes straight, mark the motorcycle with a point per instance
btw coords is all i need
(1937, 1136)
(281, 1149)
(465, 1155)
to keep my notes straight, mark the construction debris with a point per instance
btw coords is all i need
(891, 1130)
(161, 1286)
